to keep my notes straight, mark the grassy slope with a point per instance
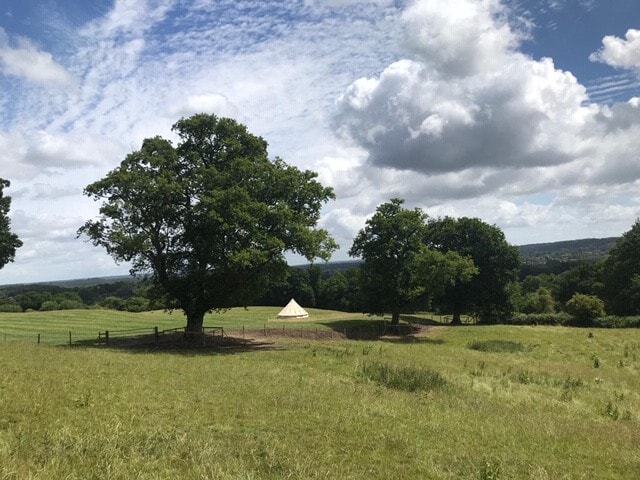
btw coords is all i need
(300, 409)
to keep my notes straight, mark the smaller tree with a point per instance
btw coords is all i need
(487, 293)
(585, 308)
(540, 301)
(399, 272)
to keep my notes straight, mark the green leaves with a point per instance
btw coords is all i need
(9, 242)
(400, 272)
(211, 217)
(621, 274)
(497, 262)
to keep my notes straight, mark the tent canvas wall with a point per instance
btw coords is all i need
(293, 310)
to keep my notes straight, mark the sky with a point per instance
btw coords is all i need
(524, 113)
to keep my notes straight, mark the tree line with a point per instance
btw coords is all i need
(207, 223)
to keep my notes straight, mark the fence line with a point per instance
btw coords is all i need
(211, 335)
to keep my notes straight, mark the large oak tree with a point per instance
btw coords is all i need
(209, 218)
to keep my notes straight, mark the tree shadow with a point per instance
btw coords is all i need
(382, 330)
(178, 344)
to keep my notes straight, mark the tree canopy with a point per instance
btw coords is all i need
(399, 272)
(9, 242)
(621, 274)
(210, 218)
(485, 295)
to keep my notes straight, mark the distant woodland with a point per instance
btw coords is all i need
(331, 285)
(569, 251)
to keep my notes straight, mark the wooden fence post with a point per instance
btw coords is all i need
(38, 339)
(106, 337)
(243, 332)
(69, 337)
(155, 333)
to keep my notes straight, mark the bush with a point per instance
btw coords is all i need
(409, 379)
(10, 308)
(561, 318)
(49, 306)
(113, 303)
(137, 304)
(585, 308)
(71, 305)
(540, 301)
(616, 322)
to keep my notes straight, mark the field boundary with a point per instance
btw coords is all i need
(216, 335)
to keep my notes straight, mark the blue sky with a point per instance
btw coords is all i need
(523, 113)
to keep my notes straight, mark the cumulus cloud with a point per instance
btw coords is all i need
(620, 52)
(460, 38)
(462, 114)
(26, 60)
(417, 118)
(473, 115)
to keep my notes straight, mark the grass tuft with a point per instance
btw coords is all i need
(497, 346)
(409, 379)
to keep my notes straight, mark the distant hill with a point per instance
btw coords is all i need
(569, 251)
(73, 283)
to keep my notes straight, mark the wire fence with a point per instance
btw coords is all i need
(208, 335)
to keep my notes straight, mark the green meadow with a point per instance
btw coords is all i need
(470, 402)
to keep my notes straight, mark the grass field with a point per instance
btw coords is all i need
(54, 327)
(467, 402)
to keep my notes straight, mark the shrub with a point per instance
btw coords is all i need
(585, 308)
(113, 303)
(137, 304)
(616, 322)
(540, 301)
(70, 305)
(10, 308)
(409, 379)
(49, 305)
(561, 318)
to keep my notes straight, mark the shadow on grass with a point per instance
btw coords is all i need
(178, 344)
(377, 329)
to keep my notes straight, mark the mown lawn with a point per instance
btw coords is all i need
(54, 327)
(531, 402)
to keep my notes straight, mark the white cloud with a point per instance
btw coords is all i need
(217, 103)
(24, 155)
(460, 37)
(416, 117)
(619, 52)
(26, 60)
(437, 105)
(465, 115)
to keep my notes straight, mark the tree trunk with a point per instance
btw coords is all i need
(456, 315)
(194, 323)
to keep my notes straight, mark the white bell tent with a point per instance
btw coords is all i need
(293, 310)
